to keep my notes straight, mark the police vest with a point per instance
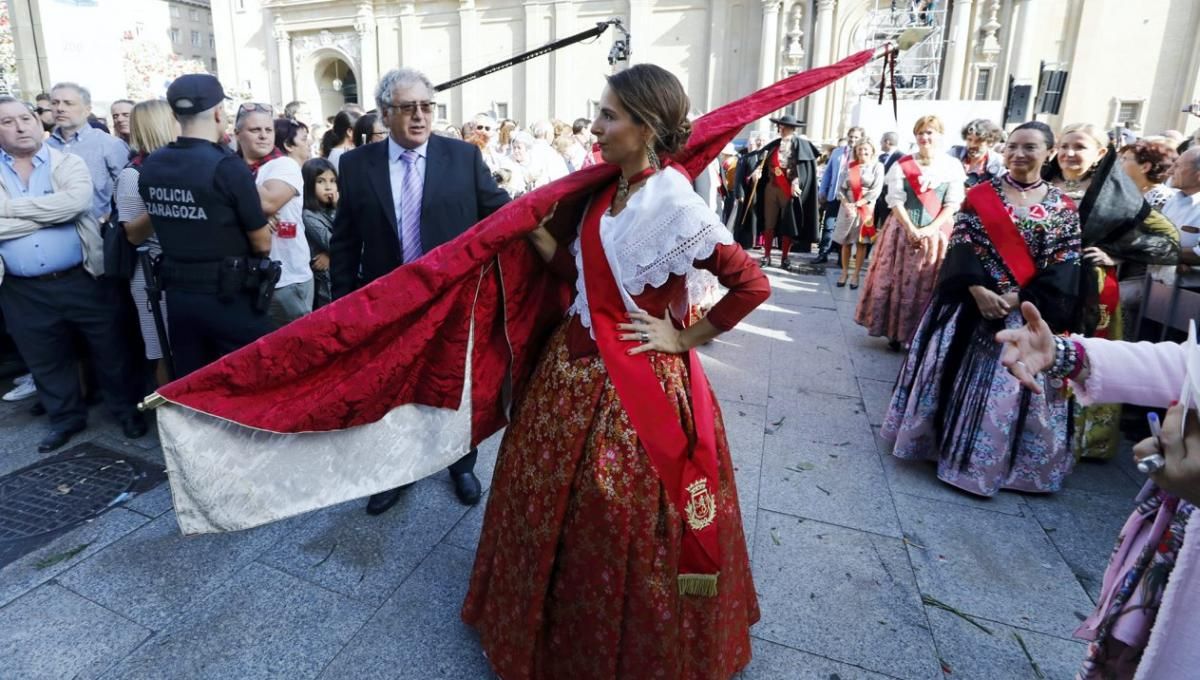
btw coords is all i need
(194, 221)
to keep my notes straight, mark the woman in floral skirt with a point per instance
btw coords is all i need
(1016, 238)
(924, 192)
(612, 544)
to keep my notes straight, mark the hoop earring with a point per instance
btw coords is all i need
(652, 157)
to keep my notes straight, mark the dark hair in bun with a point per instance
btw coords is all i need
(1038, 126)
(653, 96)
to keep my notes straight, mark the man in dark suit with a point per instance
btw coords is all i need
(401, 198)
(888, 154)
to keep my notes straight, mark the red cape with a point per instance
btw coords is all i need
(403, 338)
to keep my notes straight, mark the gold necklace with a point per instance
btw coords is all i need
(622, 188)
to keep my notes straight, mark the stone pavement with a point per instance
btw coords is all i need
(866, 566)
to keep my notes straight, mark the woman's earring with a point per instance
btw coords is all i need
(652, 157)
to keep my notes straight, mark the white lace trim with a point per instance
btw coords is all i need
(663, 230)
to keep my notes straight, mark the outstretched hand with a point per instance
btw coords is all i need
(1028, 350)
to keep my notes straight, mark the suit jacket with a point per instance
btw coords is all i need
(458, 192)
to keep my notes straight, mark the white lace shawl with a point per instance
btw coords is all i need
(663, 230)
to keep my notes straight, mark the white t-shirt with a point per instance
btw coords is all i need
(288, 244)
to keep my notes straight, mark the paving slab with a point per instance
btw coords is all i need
(466, 533)
(970, 652)
(54, 633)
(730, 381)
(877, 395)
(1084, 527)
(153, 503)
(871, 357)
(819, 462)
(367, 557)
(919, 478)
(845, 595)
(744, 425)
(800, 290)
(1106, 477)
(992, 565)
(262, 624)
(153, 574)
(417, 633)
(65, 552)
(772, 662)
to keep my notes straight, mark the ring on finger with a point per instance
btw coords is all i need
(645, 337)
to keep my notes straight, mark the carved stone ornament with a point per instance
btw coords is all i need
(346, 41)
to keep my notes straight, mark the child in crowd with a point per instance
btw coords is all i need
(320, 203)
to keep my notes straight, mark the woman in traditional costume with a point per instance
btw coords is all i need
(1015, 239)
(1148, 610)
(924, 192)
(856, 217)
(612, 543)
(1118, 227)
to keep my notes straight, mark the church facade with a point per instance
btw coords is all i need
(1103, 61)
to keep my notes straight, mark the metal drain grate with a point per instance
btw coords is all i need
(53, 495)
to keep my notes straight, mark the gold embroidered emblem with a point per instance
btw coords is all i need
(701, 507)
(778, 171)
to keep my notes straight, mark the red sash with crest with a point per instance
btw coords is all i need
(929, 197)
(1110, 299)
(779, 173)
(688, 471)
(866, 213)
(1002, 232)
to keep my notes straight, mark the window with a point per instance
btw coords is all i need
(443, 112)
(501, 110)
(194, 14)
(1129, 111)
(196, 39)
(241, 5)
(983, 84)
(175, 11)
(212, 64)
(174, 35)
(212, 42)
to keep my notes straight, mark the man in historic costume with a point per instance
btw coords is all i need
(782, 190)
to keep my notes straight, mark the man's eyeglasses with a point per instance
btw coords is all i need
(485, 128)
(409, 108)
(378, 135)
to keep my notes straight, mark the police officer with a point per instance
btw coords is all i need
(208, 216)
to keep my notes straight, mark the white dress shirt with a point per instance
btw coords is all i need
(1184, 212)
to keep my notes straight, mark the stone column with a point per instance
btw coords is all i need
(387, 38)
(468, 25)
(563, 101)
(535, 105)
(820, 123)
(283, 40)
(368, 68)
(408, 34)
(956, 55)
(1021, 65)
(768, 50)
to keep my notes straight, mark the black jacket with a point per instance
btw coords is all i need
(458, 192)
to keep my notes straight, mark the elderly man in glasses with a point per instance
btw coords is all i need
(400, 200)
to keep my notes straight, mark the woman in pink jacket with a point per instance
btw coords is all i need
(1149, 609)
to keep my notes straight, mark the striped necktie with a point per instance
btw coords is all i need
(410, 207)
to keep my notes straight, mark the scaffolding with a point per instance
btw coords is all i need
(918, 68)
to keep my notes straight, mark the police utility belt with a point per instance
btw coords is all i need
(226, 279)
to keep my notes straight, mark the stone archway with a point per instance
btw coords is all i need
(320, 61)
(337, 85)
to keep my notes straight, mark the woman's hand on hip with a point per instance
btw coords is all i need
(653, 334)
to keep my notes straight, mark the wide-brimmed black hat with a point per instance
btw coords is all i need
(788, 120)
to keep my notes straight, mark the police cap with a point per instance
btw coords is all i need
(194, 92)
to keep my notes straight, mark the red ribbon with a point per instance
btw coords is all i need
(929, 197)
(866, 213)
(1002, 231)
(689, 474)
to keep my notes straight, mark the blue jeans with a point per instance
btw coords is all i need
(828, 225)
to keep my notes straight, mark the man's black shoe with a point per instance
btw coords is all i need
(383, 501)
(467, 487)
(57, 438)
(38, 409)
(821, 259)
(134, 427)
